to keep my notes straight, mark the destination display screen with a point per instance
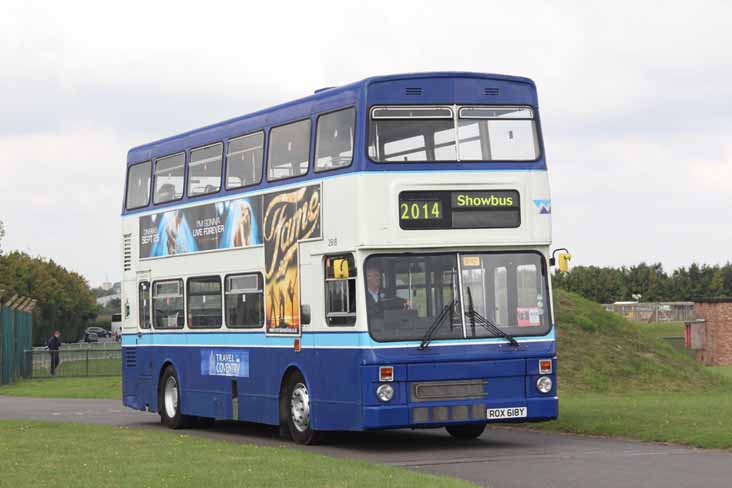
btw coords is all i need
(479, 209)
(421, 210)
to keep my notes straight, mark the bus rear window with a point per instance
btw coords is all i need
(138, 185)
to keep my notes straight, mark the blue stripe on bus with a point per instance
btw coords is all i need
(355, 339)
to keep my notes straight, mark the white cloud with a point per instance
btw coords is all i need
(634, 99)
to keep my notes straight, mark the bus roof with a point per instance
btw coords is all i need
(325, 99)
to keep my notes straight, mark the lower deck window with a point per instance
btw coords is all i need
(144, 305)
(168, 304)
(204, 302)
(244, 301)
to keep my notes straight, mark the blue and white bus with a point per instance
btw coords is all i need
(372, 256)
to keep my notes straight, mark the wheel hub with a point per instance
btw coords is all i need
(300, 407)
(171, 397)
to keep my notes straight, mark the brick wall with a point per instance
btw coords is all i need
(718, 316)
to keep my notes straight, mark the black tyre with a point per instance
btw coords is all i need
(297, 411)
(465, 431)
(205, 422)
(169, 405)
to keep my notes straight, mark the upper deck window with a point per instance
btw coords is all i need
(289, 150)
(405, 134)
(244, 159)
(334, 140)
(428, 134)
(138, 185)
(497, 134)
(204, 170)
(169, 177)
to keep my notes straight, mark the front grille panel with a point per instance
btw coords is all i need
(425, 415)
(430, 391)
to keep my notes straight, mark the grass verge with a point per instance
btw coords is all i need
(700, 420)
(620, 378)
(59, 455)
(93, 387)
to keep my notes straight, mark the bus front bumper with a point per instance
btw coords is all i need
(457, 412)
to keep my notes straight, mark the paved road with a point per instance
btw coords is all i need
(501, 458)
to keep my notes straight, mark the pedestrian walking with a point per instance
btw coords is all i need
(54, 344)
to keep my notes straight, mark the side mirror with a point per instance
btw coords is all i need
(562, 260)
(305, 314)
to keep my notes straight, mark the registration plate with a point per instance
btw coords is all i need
(507, 413)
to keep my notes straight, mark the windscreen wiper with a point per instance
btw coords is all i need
(476, 318)
(447, 311)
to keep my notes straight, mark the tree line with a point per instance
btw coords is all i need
(65, 301)
(650, 281)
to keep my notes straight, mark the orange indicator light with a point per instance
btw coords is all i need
(545, 366)
(386, 373)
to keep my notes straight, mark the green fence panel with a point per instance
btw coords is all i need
(8, 345)
(16, 336)
(23, 341)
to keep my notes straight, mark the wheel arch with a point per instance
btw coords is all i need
(291, 369)
(167, 362)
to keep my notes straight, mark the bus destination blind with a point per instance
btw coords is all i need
(492, 209)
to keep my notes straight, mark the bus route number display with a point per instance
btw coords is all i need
(469, 209)
(420, 210)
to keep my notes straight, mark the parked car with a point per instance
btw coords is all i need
(99, 331)
(91, 337)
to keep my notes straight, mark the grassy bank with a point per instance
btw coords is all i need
(602, 352)
(59, 455)
(93, 387)
(621, 378)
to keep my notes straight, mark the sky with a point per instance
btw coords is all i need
(635, 99)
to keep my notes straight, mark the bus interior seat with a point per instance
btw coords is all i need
(166, 192)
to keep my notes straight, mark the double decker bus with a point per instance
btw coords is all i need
(372, 256)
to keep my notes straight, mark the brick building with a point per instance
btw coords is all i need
(717, 331)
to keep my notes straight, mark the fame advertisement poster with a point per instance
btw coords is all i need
(290, 217)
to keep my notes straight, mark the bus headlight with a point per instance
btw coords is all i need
(544, 384)
(385, 393)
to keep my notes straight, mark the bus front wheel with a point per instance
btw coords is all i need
(297, 407)
(465, 431)
(169, 405)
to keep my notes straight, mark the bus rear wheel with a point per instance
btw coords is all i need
(298, 410)
(465, 431)
(169, 405)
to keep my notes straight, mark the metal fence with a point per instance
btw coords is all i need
(653, 311)
(76, 362)
(16, 330)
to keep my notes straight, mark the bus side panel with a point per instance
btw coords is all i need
(332, 376)
(336, 392)
(139, 389)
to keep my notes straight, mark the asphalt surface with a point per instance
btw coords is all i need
(501, 458)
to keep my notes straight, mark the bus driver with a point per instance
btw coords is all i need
(376, 300)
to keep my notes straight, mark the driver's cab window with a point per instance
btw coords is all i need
(340, 290)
